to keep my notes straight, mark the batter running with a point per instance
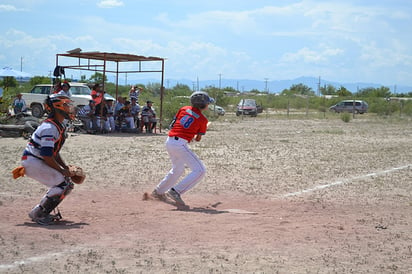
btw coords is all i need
(188, 124)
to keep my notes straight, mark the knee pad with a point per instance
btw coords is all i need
(55, 195)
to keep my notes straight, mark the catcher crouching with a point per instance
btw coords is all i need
(42, 162)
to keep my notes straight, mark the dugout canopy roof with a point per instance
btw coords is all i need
(117, 63)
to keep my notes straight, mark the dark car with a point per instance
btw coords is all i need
(247, 107)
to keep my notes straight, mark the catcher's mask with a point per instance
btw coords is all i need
(200, 99)
(60, 104)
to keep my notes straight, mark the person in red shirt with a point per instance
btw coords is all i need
(97, 94)
(188, 124)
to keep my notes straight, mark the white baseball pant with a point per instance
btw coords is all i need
(38, 170)
(181, 156)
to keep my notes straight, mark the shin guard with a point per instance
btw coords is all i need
(51, 200)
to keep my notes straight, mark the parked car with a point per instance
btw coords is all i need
(247, 107)
(35, 98)
(219, 110)
(356, 106)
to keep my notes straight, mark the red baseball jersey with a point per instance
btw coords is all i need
(189, 121)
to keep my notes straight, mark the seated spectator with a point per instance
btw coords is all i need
(118, 106)
(87, 115)
(125, 115)
(134, 110)
(101, 118)
(149, 120)
(19, 105)
(110, 115)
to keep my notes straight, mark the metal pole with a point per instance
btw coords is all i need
(161, 96)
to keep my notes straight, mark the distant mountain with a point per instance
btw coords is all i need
(275, 86)
(278, 86)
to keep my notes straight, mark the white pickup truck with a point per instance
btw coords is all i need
(35, 98)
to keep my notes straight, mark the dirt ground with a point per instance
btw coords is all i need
(280, 196)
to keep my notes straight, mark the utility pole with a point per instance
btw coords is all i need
(220, 86)
(197, 83)
(266, 84)
(319, 87)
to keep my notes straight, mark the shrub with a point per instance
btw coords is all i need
(345, 117)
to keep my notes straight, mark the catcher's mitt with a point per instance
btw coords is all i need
(79, 175)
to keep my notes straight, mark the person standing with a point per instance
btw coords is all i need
(188, 124)
(97, 94)
(65, 89)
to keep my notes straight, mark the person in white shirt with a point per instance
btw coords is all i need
(65, 89)
(19, 105)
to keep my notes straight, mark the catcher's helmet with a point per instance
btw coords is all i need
(200, 99)
(61, 104)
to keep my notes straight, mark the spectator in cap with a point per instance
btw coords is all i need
(19, 104)
(125, 115)
(65, 89)
(149, 120)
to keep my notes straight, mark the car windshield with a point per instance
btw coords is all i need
(247, 103)
(76, 90)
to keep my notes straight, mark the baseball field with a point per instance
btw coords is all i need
(280, 196)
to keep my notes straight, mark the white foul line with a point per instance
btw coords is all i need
(345, 181)
(40, 258)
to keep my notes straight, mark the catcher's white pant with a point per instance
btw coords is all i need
(40, 171)
(181, 156)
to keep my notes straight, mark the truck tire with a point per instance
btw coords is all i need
(37, 110)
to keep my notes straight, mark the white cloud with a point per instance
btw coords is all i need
(110, 4)
(7, 8)
(311, 56)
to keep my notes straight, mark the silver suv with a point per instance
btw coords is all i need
(356, 106)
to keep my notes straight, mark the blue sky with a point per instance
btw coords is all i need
(343, 41)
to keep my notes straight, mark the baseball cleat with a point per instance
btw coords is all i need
(47, 220)
(161, 197)
(172, 194)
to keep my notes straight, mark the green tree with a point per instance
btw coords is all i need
(343, 92)
(9, 81)
(328, 90)
(298, 89)
(39, 80)
(180, 90)
(382, 92)
(97, 77)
